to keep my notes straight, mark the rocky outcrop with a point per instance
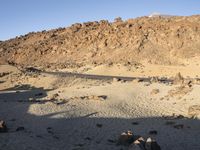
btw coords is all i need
(157, 40)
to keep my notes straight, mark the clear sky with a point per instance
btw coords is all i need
(18, 17)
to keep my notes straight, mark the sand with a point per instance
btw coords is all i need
(69, 112)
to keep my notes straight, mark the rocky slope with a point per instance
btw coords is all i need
(156, 40)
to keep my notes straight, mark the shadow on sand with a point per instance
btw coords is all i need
(104, 77)
(58, 131)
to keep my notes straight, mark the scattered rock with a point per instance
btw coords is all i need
(135, 123)
(136, 145)
(180, 117)
(179, 91)
(103, 97)
(55, 96)
(137, 80)
(13, 119)
(3, 127)
(116, 79)
(49, 130)
(188, 83)
(155, 91)
(20, 129)
(174, 116)
(162, 98)
(179, 126)
(151, 145)
(111, 141)
(154, 80)
(135, 142)
(178, 79)
(39, 94)
(79, 145)
(76, 27)
(93, 97)
(56, 137)
(32, 70)
(39, 136)
(2, 74)
(99, 125)
(170, 123)
(148, 144)
(88, 138)
(60, 101)
(153, 132)
(196, 81)
(126, 138)
(194, 111)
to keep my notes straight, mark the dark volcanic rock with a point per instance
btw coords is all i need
(3, 127)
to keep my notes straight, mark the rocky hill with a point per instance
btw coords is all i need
(157, 40)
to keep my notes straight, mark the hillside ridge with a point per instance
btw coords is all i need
(156, 40)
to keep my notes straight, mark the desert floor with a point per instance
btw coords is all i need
(51, 111)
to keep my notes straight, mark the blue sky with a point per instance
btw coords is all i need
(18, 17)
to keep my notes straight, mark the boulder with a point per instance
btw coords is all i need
(154, 80)
(136, 145)
(136, 142)
(3, 127)
(178, 79)
(116, 79)
(194, 111)
(155, 91)
(151, 144)
(137, 80)
(126, 138)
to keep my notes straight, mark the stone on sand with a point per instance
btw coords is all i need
(155, 91)
(151, 144)
(138, 144)
(194, 111)
(178, 79)
(126, 138)
(154, 80)
(136, 80)
(135, 142)
(3, 127)
(116, 80)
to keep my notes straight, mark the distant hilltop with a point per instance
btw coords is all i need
(156, 14)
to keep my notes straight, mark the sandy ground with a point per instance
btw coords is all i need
(189, 68)
(69, 113)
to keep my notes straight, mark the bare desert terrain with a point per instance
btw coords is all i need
(99, 85)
